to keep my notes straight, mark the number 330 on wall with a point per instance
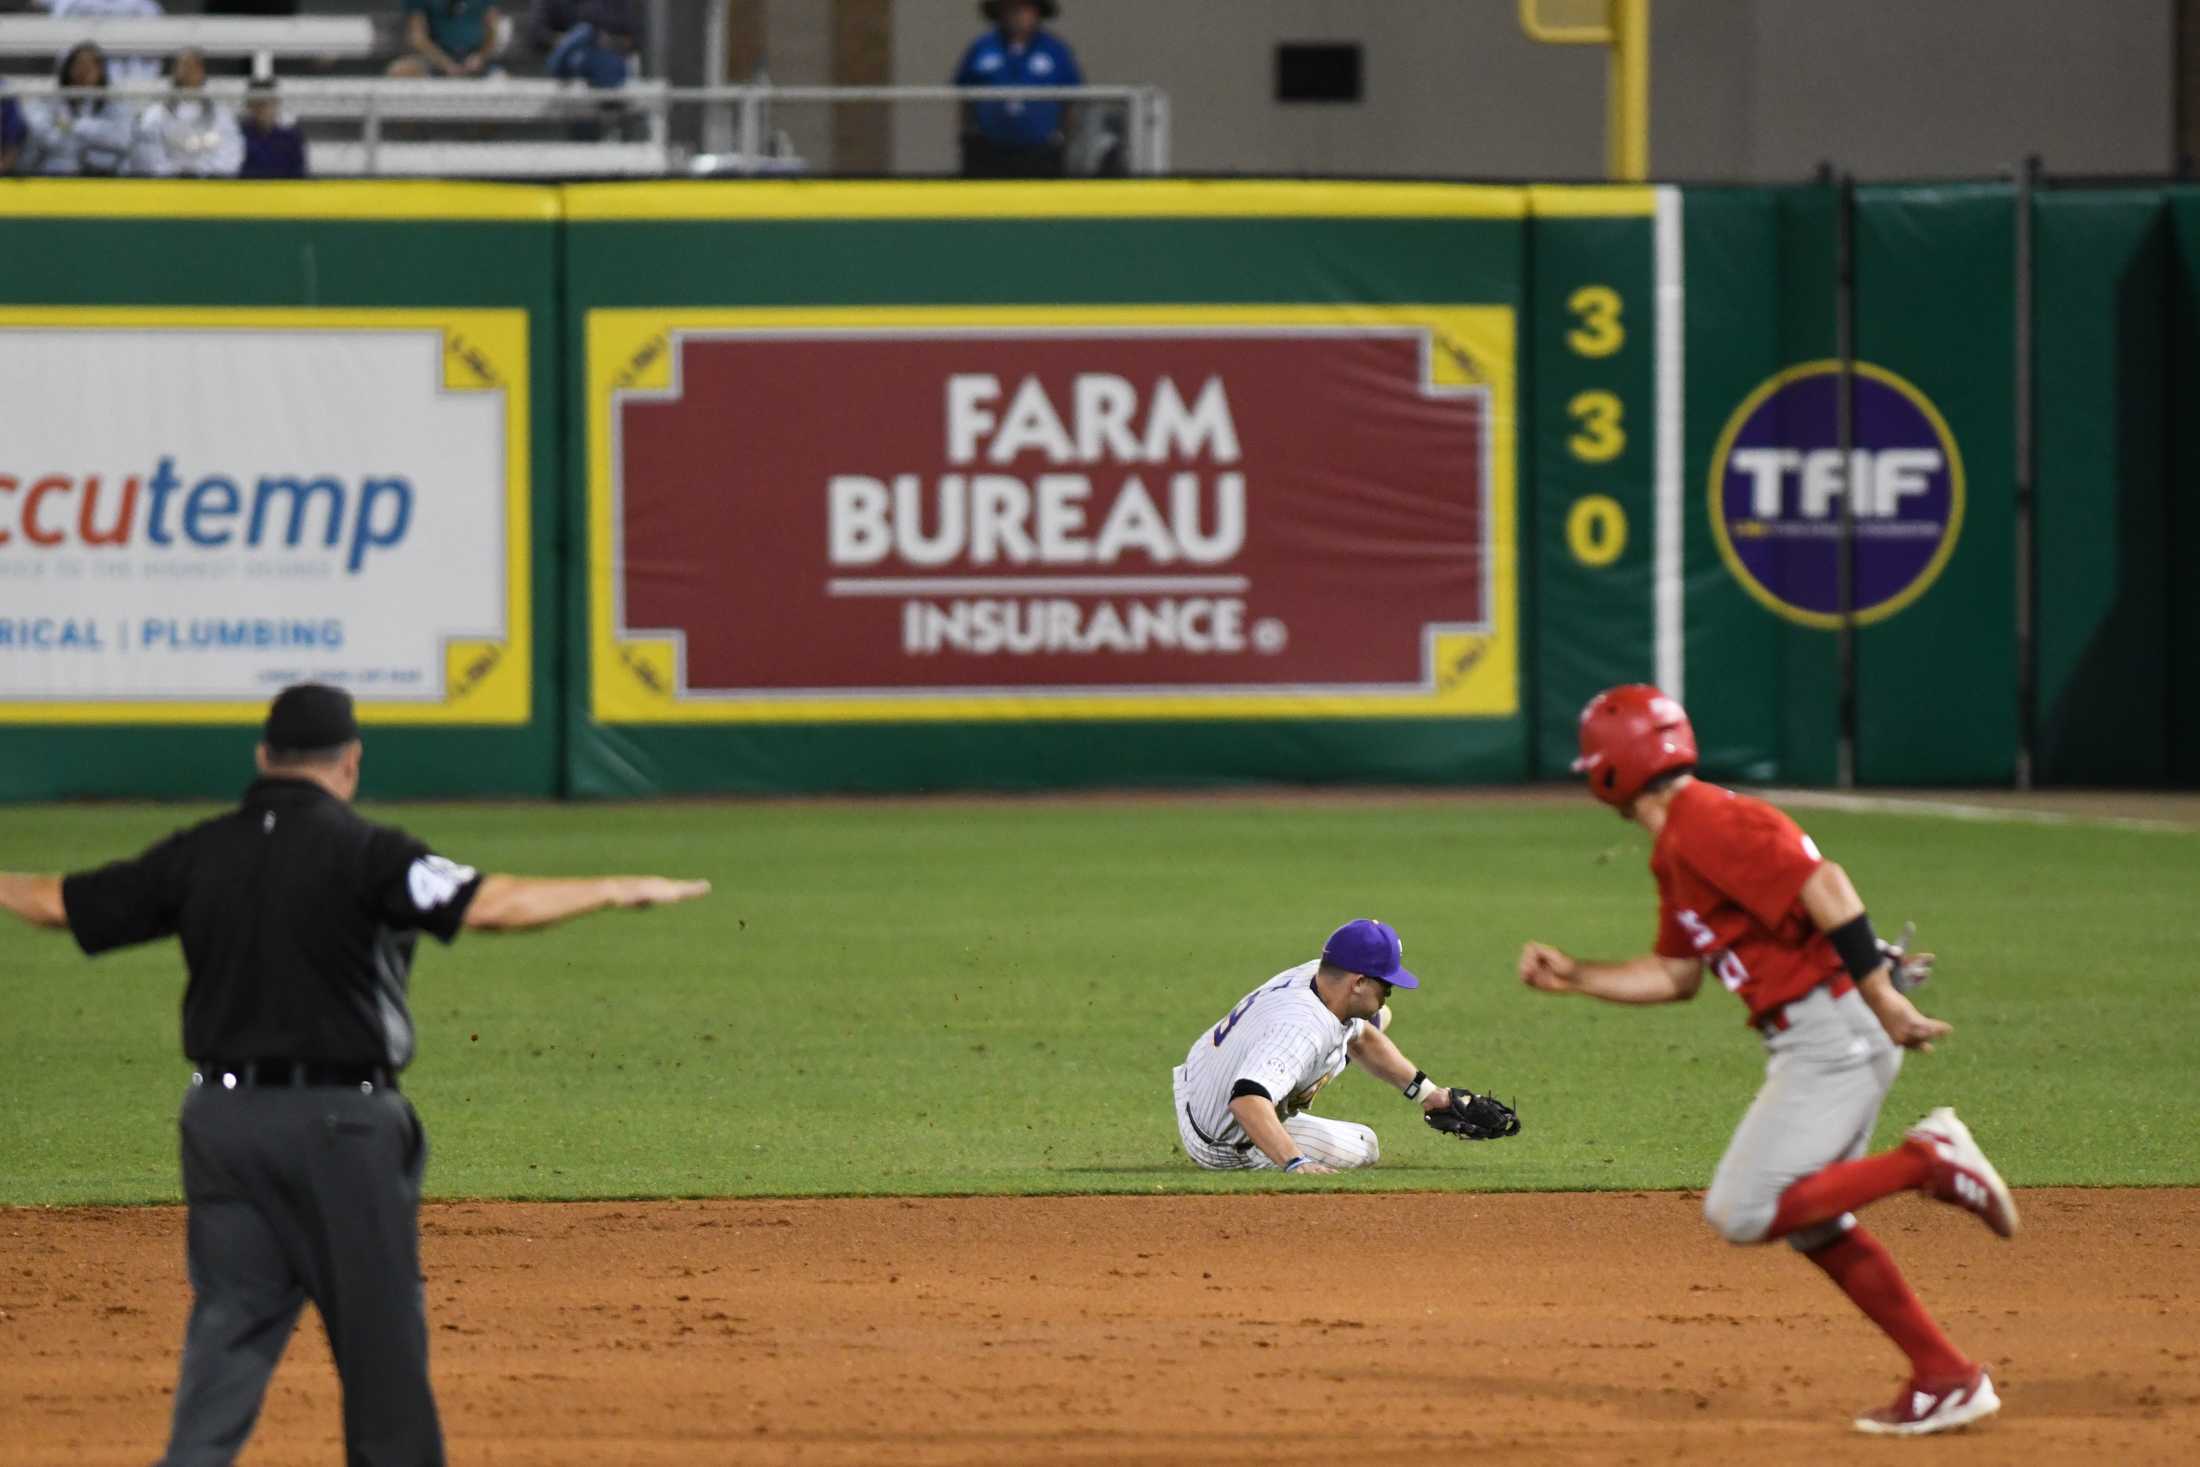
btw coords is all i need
(1596, 526)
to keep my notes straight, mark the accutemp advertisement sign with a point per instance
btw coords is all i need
(972, 513)
(1777, 480)
(198, 508)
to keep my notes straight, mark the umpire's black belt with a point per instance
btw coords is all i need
(261, 1074)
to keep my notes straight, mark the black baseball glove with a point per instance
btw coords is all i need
(1472, 1117)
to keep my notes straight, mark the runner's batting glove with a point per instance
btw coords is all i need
(1472, 1117)
(1909, 970)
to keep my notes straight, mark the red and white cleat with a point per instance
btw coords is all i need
(1922, 1410)
(1961, 1173)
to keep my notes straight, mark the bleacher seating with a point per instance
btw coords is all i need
(263, 41)
(360, 122)
(351, 118)
(368, 109)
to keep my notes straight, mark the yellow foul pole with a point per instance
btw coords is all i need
(1627, 94)
(1625, 35)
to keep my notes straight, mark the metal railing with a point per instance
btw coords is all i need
(736, 118)
(736, 133)
(262, 39)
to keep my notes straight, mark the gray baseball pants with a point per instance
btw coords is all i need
(1826, 1075)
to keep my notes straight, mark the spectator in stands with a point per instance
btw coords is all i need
(449, 38)
(188, 135)
(81, 134)
(1016, 139)
(274, 145)
(123, 69)
(589, 40)
(11, 132)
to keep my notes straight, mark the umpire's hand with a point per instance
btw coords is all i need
(656, 891)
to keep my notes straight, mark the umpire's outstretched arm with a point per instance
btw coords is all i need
(503, 904)
(516, 903)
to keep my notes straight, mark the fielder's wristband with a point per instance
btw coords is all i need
(1294, 1163)
(1416, 1085)
(1858, 946)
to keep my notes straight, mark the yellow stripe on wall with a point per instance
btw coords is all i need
(370, 199)
(1591, 201)
(330, 198)
(1094, 199)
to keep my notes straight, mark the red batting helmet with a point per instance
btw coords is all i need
(1629, 736)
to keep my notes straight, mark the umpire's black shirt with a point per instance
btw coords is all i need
(298, 919)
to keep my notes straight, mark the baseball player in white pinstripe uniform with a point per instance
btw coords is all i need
(1242, 1092)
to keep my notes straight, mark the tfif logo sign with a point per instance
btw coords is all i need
(1776, 483)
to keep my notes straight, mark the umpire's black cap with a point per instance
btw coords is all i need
(308, 717)
(991, 9)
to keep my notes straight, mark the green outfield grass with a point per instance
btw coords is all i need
(989, 998)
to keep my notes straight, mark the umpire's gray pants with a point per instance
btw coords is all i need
(300, 1194)
(1826, 1076)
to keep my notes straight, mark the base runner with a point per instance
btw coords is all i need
(1242, 1092)
(1742, 891)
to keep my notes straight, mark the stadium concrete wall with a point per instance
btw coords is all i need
(1741, 90)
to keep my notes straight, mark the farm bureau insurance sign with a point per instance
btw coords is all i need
(197, 508)
(1010, 520)
(1776, 482)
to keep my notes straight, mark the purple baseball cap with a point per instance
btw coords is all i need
(1371, 948)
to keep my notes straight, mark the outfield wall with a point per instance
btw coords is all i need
(623, 489)
(275, 368)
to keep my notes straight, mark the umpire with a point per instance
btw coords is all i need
(301, 1160)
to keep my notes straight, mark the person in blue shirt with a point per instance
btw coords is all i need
(1016, 139)
(594, 41)
(12, 132)
(274, 145)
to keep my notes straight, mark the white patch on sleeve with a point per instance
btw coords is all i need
(434, 881)
(1810, 849)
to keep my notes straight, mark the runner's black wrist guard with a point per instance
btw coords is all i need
(1858, 946)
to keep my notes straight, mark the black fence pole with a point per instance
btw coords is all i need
(1844, 336)
(2027, 568)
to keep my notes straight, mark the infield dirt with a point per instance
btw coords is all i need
(1576, 1328)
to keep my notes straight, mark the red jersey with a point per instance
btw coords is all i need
(1730, 873)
